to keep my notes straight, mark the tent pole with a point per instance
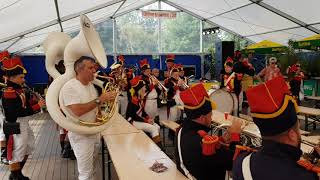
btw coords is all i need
(13, 43)
(58, 15)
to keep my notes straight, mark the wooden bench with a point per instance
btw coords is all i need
(171, 125)
(309, 114)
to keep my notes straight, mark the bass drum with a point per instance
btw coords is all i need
(225, 101)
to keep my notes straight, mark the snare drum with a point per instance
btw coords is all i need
(225, 101)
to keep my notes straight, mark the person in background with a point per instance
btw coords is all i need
(271, 71)
(295, 76)
(155, 72)
(5, 55)
(151, 84)
(18, 109)
(170, 63)
(276, 118)
(227, 77)
(182, 73)
(198, 154)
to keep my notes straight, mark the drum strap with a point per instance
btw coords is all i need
(246, 172)
(229, 78)
(185, 170)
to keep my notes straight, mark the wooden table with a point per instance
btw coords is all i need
(119, 126)
(308, 112)
(133, 154)
(248, 127)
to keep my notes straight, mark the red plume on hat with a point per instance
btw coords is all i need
(144, 64)
(196, 101)
(170, 58)
(4, 55)
(229, 62)
(137, 83)
(121, 59)
(180, 67)
(13, 66)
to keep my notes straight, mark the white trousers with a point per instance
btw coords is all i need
(23, 143)
(151, 106)
(2, 135)
(85, 149)
(153, 129)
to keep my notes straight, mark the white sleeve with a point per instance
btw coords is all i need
(70, 95)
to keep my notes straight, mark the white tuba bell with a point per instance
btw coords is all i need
(86, 43)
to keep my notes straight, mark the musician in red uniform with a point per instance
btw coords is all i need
(274, 111)
(174, 84)
(136, 111)
(18, 107)
(170, 63)
(3, 79)
(228, 76)
(295, 75)
(151, 107)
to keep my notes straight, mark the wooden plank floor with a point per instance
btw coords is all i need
(45, 162)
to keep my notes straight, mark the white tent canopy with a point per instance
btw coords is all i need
(25, 23)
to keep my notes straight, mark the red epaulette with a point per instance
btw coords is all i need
(9, 93)
(135, 100)
(309, 166)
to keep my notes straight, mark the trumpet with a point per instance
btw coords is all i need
(184, 85)
(160, 85)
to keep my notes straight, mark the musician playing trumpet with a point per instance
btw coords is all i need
(151, 83)
(81, 99)
(174, 84)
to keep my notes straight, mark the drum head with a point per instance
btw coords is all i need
(223, 100)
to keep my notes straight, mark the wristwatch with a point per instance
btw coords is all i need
(97, 101)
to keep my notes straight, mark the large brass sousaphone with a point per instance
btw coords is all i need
(86, 43)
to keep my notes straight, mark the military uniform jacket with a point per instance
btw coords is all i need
(16, 103)
(240, 69)
(172, 86)
(274, 161)
(135, 111)
(200, 166)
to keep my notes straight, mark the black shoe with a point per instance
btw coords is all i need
(17, 175)
(4, 160)
(171, 135)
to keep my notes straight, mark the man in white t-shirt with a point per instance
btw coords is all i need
(81, 99)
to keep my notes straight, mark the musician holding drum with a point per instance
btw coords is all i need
(274, 111)
(199, 155)
(17, 109)
(81, 99)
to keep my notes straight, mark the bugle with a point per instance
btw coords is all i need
(184, 84)
(160, 85)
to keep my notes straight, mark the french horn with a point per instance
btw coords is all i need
(86, 43)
